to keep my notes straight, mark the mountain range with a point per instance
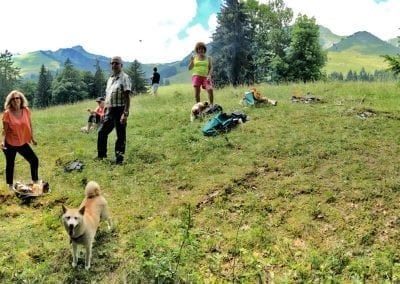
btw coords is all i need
(361, 49)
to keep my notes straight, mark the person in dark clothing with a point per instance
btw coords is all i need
(155, 81)
(116, 111)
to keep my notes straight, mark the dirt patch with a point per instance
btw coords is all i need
(247, 182)
(6, 199)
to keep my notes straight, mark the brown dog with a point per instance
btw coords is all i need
(81, 223)
(197, 110)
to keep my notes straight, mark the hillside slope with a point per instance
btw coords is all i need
(364, 43)
(360, 50)
(301, 193)
(31, 62)
(327, 38)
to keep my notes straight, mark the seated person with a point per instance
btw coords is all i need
(95, 116)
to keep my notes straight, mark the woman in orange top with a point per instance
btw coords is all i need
(16, 134)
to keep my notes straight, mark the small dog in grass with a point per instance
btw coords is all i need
(81, 223)
(198, 110)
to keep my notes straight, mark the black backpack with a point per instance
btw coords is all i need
(214, 108)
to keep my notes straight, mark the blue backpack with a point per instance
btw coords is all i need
(223, 122)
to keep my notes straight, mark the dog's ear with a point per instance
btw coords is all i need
(82, 210)
(64, 208)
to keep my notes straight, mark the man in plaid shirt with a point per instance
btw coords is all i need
(117, 104)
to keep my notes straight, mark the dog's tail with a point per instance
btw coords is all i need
(92, 189)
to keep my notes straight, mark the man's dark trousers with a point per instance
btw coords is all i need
(112, 119)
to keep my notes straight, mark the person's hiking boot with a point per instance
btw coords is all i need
(97, 158)
(118, 162)
(11, 188)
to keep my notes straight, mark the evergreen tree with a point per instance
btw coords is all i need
(355, 76)
(99, 81)
(9, 75)
(305, 56)
(363, 76)
(43, 91)
(393, 61)
(231, 46)
(350, 76)
(88, 80)
(28, 88)
(68, 86)
(137, 76)
(336, 76)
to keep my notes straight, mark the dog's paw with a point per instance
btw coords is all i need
(87, 267)
(74, 264)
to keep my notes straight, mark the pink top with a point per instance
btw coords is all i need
(19, 131)
(100, 111)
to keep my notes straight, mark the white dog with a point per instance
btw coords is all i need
(197, 110)
(81, 223)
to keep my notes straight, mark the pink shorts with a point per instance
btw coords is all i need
(202, 81)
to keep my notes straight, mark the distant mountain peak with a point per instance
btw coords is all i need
(365, 36)
(364, 43)
(78, 47)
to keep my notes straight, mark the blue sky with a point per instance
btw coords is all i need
(151, 31)
(205, 8)
(160, 31)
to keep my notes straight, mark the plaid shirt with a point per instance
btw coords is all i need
(116, 86)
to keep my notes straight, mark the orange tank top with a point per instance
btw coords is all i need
(19, 129)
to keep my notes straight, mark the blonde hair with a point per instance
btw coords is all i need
(7, 103)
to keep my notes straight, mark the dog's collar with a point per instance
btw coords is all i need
(75, 239)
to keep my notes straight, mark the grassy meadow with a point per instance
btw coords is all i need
(299, 193)
(352, 60)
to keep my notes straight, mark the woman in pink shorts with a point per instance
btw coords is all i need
(201, 66)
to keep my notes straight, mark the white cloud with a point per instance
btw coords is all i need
(145, 30)
(345, 17)
(212, 22)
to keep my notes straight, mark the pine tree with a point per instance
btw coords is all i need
(394, 63)
(43, 92)
(305, 57)
(88, 80)
(231, 46)
(137, 76)
(28, 88)
(99, 81)
(68, 86)
(363, 76)
(349, 76)
(9, 75)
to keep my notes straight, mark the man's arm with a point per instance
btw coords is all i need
(127, 96)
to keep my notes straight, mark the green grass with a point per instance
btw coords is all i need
(300, 193)
(353, 60)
